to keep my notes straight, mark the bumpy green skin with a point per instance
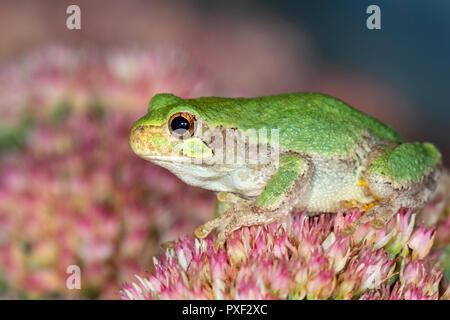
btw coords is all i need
(278, 185)
(406, 163)
(307, 122)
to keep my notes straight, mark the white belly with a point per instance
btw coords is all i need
(330, 183)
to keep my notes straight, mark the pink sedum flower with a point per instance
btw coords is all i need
(306, 258)
(421, 241)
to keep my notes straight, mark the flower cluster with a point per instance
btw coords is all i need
(123, 79)
(71, 190)
(437, 212)
(300, 258)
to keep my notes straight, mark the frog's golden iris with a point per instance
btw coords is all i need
(182, 124)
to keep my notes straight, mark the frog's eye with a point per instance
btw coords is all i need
(182, 124)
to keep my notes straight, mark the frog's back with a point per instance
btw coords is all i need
(307, 122)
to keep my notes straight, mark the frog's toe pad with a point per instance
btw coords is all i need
(201, 232)
(220, 239)
(377, 224)
(349, 230)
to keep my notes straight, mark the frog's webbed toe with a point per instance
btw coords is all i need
(377, 216)
(349, 230)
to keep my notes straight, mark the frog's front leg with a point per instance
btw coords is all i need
(275, 201)
(225, 202)
(400, 176)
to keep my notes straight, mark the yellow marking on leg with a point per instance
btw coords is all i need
(367, 206)
(222, 196)
(363, 183)
(228, 197)
(350, 229)
(348, 204)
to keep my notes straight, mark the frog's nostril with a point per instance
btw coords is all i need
(141, 128)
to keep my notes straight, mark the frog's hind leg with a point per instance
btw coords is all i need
(399, 176)
(378, 215)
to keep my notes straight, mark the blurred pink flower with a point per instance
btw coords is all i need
(73, 192)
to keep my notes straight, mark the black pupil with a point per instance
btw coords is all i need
(180, 125)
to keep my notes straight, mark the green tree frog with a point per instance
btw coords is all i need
(313, 152)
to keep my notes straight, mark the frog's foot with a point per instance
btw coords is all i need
(248, 215)
(350, 204)
(240, 207)
(362, 207)
(203, 230)
(378, 223)
(349, 230)
(378, 214)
